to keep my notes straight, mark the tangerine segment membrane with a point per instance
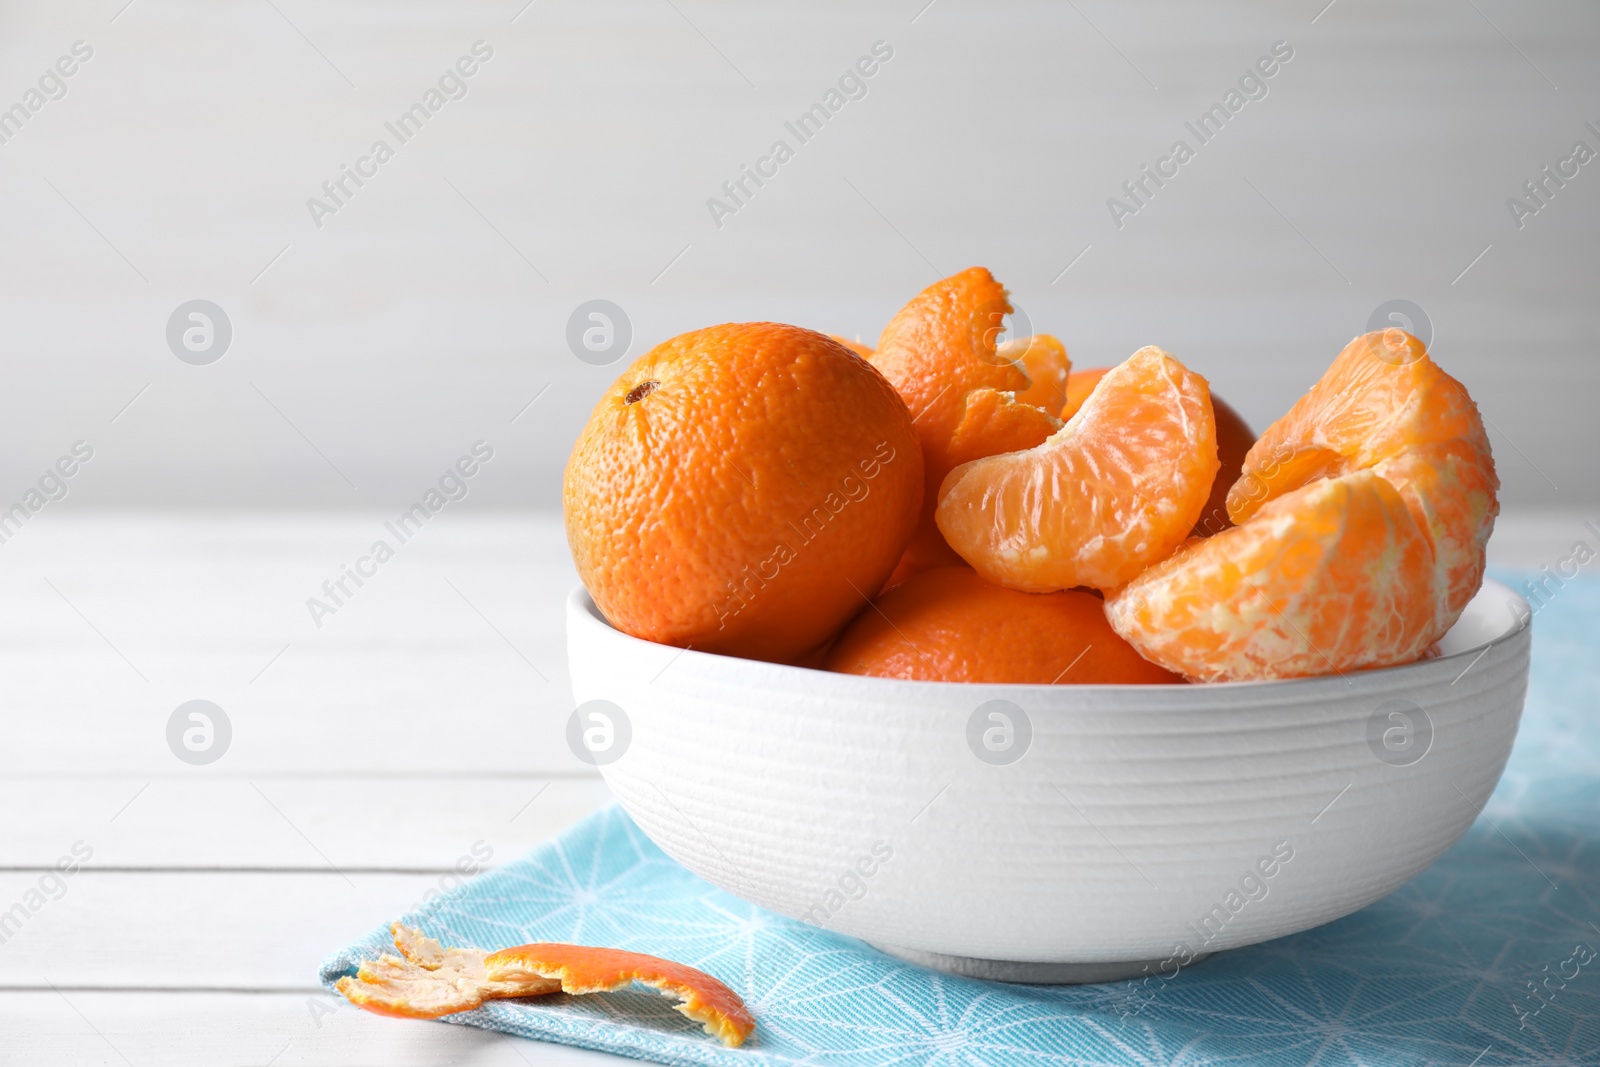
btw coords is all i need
(428, 980)
(581, 969)
(1116, 489)
(1385, 405)
(1335, 576)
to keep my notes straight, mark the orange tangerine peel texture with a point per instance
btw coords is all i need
(1323, 579)
(581, 969)
(1116, 489)
(740, 489)
(862, 350)
(947, 624)
(937, 352)
(1384, 405)
(431, 980)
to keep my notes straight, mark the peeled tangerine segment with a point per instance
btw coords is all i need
(1384, 405)
(1116, 489)
(432, 980)
(1321, 580)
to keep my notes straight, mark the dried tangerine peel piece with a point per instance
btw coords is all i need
(1385, 405)
(428, 980)
(581, 969)
(1115, 490)
(1322, 580)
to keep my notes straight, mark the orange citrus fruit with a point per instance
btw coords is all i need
(1080, 383)
(1116, 489)
(939, 352)
(1044, 360)
(741, 489)
(1384, 405)
(864, 351)
(948, 624)
(1323, 579)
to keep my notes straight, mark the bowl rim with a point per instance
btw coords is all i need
(579, 601)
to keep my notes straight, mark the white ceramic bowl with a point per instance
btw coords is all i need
(1140, 825)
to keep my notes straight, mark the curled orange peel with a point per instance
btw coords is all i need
(428, 980)
(582, 969)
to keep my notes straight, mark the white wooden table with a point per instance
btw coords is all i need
(422, 721)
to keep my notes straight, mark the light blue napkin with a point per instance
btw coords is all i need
(1490, 957)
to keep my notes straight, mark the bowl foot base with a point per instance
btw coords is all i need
(1024, 972)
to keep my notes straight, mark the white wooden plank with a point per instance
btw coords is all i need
(227, 1030)
(289, 822)
(452, 657)
(195, 929)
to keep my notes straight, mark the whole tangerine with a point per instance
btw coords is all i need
(948, 624)
(742, 489)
